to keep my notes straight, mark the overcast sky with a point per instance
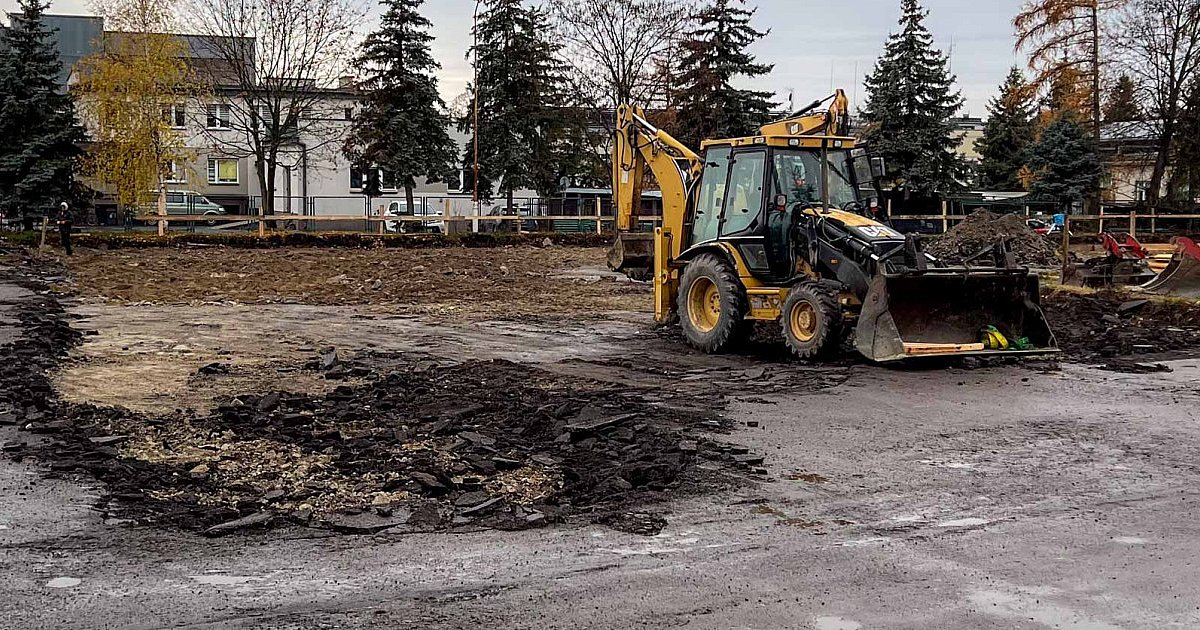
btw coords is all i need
(810, 43)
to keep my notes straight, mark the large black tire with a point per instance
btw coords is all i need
(712, 304)
(812, 320)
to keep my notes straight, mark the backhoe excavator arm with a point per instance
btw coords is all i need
(639, 145)
(831, 122)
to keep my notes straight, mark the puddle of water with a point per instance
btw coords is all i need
(64, 582)
(964, 522)
(863, 542)
(1030, 607)
(1130, 540)
(836, 623)
(224, 580)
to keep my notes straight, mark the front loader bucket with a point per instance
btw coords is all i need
(1181, 278)
(633, 253)
(944, 312)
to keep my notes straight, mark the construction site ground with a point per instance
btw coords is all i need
(766, 492)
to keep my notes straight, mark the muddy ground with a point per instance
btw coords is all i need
(1026, 495)
(451, 282)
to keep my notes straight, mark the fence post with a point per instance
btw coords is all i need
(598, 230)
(262, 223)
(1027, 215)
(1153, 220)
(1066, 248)
(1101, 228)
(1133, 223)
(945, 218)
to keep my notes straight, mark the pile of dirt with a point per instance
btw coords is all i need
(472, 283)
(1115, 324)
(422, 446)
(983, 229)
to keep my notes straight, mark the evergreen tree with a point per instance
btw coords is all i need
(1007, 136)
(1122, 103)
(911, 98)
(521, 93)
(714, 52)
(1064, 162)
(403, 126)
(41, 135)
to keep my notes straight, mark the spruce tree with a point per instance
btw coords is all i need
(1064, 162)
(403, 125)
(911, 99)
(521, 93)
(714, 53)
(1007, 136)
(41, 135)
(1184, 183)
(1122, 104)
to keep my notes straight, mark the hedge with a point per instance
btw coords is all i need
(242, 240)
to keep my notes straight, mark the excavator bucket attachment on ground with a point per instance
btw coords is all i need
(633, 253)
(945, 312)
(1181, 278)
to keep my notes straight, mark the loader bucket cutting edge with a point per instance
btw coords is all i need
(631, 252)
(941, 314)
(1181, 278)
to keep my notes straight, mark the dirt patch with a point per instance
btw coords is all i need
(506, 282)
(983, 229)
(1113, 324)
(422, 446)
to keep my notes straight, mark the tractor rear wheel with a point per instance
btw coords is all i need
(712, 304)
(812, 321)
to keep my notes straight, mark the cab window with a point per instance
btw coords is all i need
(707, 216)
(744, 202)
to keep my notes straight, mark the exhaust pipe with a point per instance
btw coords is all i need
(944, 312)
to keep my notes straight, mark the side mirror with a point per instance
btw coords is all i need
(878, 167)
(781, 202)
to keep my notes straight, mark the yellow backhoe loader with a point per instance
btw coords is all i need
(772, 228)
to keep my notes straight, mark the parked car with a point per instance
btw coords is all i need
(509, 225)
(401, 209)
(186, 202)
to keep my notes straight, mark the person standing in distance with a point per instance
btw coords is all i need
(64, 226)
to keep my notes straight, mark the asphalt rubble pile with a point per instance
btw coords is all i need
(983, 229)
(421, 446)
(1116, 327)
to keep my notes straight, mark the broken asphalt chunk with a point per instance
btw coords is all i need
(259, 519)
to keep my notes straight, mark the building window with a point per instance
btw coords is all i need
(1141, 190)
(387, 181)
(222, 171)
(218, 116)
(176, 116)
(358, 180)
(174, 173)
(349, 113)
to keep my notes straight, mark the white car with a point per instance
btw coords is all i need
(401, 209)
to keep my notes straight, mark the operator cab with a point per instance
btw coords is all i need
(768, 196)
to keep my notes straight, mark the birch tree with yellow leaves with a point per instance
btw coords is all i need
(128, 93)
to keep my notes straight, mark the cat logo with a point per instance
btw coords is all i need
(794, 129)
(879, 231)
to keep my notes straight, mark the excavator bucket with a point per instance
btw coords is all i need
(1181, 278)
(633, 253)
(946, 312)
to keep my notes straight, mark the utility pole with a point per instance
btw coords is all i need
(475, 181)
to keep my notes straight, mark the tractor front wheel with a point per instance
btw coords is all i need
(712, 304)
(812, 321)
